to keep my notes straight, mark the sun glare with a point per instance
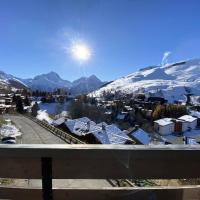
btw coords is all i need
(80, 51)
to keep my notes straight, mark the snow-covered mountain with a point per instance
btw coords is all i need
(8, 81)
(85, 85)
(47, 82)
(50, 82)
(171, 81)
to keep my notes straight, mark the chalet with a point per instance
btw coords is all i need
(180, 125)
(81, 128)
(197, 115)
(90, 132)
(164, 126)
(191, 121)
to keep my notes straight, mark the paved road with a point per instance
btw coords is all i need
(32, 133)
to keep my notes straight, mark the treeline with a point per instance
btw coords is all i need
(59, 91)
(84, 107)
(169, 110)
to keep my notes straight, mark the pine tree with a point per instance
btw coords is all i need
(27, 101)
(19, 105)
(35, 109)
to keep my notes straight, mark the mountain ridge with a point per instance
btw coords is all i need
(51, 81)
(172, 80)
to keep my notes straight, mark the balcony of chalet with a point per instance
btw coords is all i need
(49, 162)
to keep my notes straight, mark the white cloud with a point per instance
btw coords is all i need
(165, 57)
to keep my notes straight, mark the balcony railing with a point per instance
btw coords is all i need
(49, 162)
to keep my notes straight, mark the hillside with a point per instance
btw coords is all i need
(9, 82)
(171, 81)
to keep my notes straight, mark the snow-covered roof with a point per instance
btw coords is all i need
(164, 121)
(188, 118)
(141, 136)
(195, 114)
(111, 135)
(59, 121)
(80, 126)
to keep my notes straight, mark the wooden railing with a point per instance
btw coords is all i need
(59, 133)
(49, 162)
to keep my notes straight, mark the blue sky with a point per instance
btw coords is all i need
(124, 35)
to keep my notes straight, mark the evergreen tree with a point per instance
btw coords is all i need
(35, 109)
(27, 101)
(19, 105)
(14, 99)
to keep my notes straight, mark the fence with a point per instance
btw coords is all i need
(49, 162)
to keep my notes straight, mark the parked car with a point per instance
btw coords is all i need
(9, 140)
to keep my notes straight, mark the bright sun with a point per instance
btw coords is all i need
(80, 51)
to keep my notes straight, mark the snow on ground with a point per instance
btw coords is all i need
(173, 81)
(9, 130)
(43, 115)
(195, 100)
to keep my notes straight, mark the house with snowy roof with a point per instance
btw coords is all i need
(180, 125)
(111, 134)
(81, 128)
(197, 115)
(164, 126)
(190, 120)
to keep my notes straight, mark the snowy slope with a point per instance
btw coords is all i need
(7, 80)
(172, 81)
